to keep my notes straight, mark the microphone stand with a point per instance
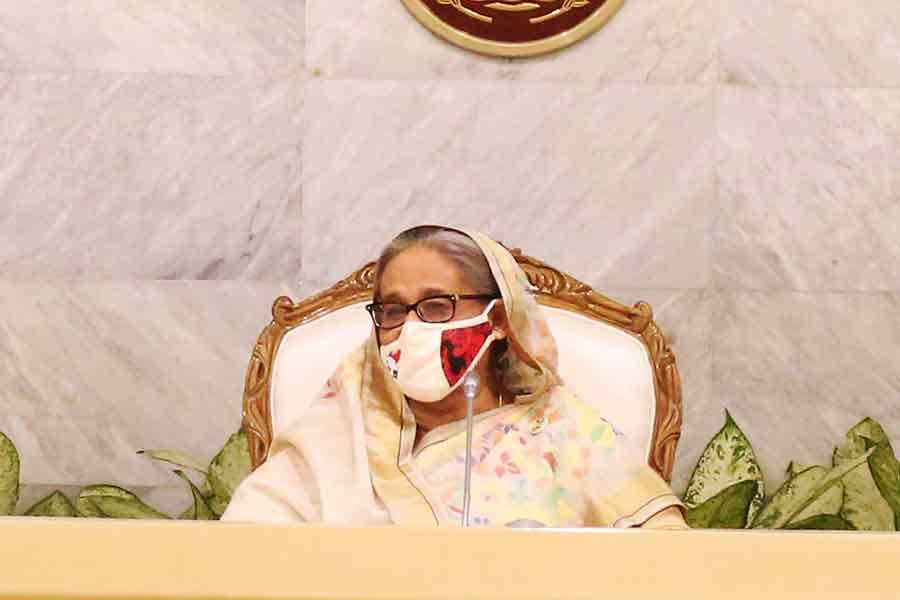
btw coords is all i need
(470, 390)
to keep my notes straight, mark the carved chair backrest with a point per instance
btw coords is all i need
(603, 344)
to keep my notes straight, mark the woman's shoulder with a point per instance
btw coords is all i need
(347, 376)
(351, 367)
(562, 404)
(568, 422)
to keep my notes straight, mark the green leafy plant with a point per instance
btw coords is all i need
(54, 505)
(812, 492)
(9, 475)
(199, 509)
(220, 478)
(728, 509)
(864, 506)
(727, 460)
(113, 502)
(860, 490)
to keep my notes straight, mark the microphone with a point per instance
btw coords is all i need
(470, 385)
(470, 390)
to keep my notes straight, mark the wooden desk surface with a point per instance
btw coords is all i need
(74, 558)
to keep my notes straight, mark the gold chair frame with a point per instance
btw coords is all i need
(552, 288)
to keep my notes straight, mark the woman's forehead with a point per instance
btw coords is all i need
(419, 272)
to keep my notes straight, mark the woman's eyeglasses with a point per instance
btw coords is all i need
(434, 309)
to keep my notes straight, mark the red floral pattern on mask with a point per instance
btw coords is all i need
(391, 361)
(459, 347)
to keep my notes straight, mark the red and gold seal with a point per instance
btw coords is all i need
(513, 27)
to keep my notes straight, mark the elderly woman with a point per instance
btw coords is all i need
(385, 442)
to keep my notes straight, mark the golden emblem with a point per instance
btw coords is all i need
(513, 27)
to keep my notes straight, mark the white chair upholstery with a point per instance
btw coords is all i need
(606, 366)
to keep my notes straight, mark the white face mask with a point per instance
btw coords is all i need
(430, 360)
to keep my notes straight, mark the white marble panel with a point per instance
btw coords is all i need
(200, 37)
(797, 370)
(686, 318)
(92, 371)
(612, 183)
(810, 43)
(809, 186)
(147, 176)
(661, 41)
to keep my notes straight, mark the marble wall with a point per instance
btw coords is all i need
(167, 169)
(150, 198)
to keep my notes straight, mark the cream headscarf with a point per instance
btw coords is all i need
(530, 367)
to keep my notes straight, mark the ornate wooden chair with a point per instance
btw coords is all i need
(603, 345)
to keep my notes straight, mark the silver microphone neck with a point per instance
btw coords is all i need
(470, 390)
(470, 385)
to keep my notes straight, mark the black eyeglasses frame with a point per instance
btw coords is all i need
(454, 298)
